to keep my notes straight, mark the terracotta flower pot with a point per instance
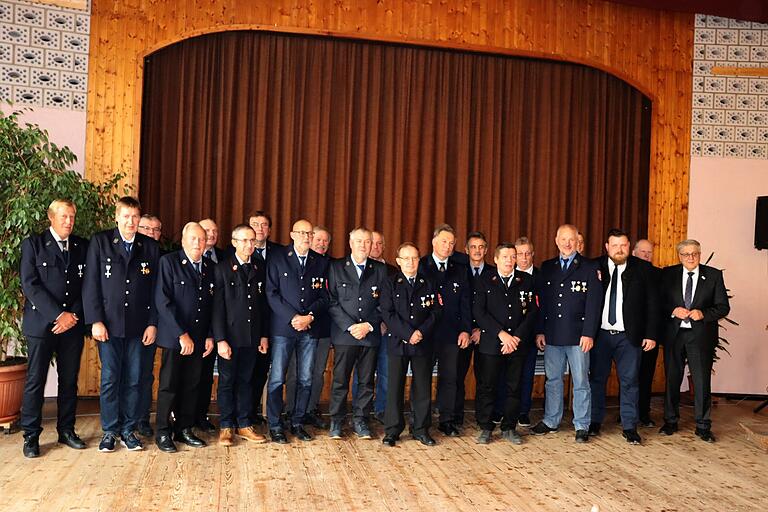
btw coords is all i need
(11, 390)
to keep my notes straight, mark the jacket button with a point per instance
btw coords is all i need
(411, 317)
(510, 318)
(126, 304)
(249, 320)
(559, 304)
(561, 285)
(249, 307)
(127, 292)
(559, 316)
(359, 298)
(249, 296)
(127, 280)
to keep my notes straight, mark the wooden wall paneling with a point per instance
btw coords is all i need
(650, 49)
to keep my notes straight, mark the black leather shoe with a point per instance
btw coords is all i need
(300, 433)
(705, 435)
(647, 423)
(389, 440)
(632, 436)
(668, 429)
(594, 429)
(316, 420)
(205, 425)
(188, 437)
(145, 429)
(449, 430)
(278, 436)
(582, 436)
(542, 428)
(31, 447)
(165, 443)
(72, 440)
(425, 439)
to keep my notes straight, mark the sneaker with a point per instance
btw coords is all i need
(542, 428)
(107, 443)
(335, 432)
(131, 442)
(496, 418)
(512, 436)
(484, 437)
(362, 431)
(524, 420)
(582, 436)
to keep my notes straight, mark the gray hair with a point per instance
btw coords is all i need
(686, 243)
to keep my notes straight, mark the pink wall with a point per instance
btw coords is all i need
(722, 218)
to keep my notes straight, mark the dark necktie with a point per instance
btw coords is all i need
(302, 261)
(563, 264)
(246, 268)
(127, 246)
(688, 297)
(477, 271)
(65, 250)
(442, 266)
(506, 280)
(361, 267)
(196, 264)
(209, 253)
(260, 250)
(612, 300)
(412, 281)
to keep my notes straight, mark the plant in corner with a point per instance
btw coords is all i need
(34, 172)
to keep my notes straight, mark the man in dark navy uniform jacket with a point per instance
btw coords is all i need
(505, 310)
(354, 287)
(52, 269)
(184, 297)
(452, 333)
(410, 306)
(525, 255)
(628, 326)
(240, 328)
(296, 291)
(570, 299)
(118, 300)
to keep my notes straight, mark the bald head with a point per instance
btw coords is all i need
(566, 240)
(643, 249)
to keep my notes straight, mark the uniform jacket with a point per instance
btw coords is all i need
(407, 309)
(240, 311)
(497, 308)
(184, 300)
(291, 291)
(354, 300)
(118, 289)
(50, 285)
(456, 292)
(640, 306)
(570, 302)
(711, 298)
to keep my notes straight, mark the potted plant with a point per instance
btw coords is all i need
(34, 172)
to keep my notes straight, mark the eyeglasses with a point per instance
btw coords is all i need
(304, 233)
(687, 255)
(245, 240)
(154, 230)
(408, 258)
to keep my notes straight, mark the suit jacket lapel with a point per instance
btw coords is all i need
(351, 270)
(575, 263)
(52, 247)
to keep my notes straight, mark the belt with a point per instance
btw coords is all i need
(612, 332)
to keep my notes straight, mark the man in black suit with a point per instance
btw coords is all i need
(151, 226)
(525, 256)
(52, 268)
(354, 288)
(118, 302)
(694, 299)
(452, 333)
(184, 298)
(628, 326)
(411, 308)
(505, 309)
(216, 255)
(297, 292)
(261, 223)
(240, 328)
(644, 250)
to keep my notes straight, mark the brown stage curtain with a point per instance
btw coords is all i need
(396, 138)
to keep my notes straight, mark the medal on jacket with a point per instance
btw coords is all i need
(80, 270)
(579, 286)
(145, 267)
(108, 273)
(375, 292)
(258, 285)
(211, 288)
(455, 287)
(317, 283)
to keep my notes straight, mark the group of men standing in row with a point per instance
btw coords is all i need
(271, 314)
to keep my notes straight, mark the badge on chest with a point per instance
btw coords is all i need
(579, 286)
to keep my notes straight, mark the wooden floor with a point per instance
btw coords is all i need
(678, 473)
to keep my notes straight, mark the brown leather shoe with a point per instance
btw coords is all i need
(225, 436)
(249, 434)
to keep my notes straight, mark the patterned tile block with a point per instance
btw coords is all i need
(723, 133)
(46, 38)
(756, 151)
(60, 20)
(698, 84)
(739, 24)
(6, 53)
(29, 56)
(712, 117)
(699, 51)
(762, 103)
(75, 42)
(734, 150)
(17, 75)
(82, 24)
(701, 132)
(57, 99)
(738, 53)
(746, 101)
(74, 81)
(701, 67)
(59, 60)
(762, 135)
(749, 37)
(6, 13)
(700, 21)
(727, 36)
(702, 100)
(717, 52)
(28, 15)
(745, 134)
(78, 101)
(715, 84)
(757, 118)
(735, 118)
(758, 53)
(5, 92)
(737, 85)
(712, 149)
(28, 96)
(724, 101)
(44, 78)
(80, 63)
(705, 36)
(14, 34)
(716, 22)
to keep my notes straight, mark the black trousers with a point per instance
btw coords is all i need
(645, 377)
(205, 386)
(488, 368)
(235, 391)
(685, 347)
(259, 380)
(68, 347)
(345, 359)
(178, 390)
(421, 394)
(464, 361)
(447, 355)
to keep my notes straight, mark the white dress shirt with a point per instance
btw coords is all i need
(686, 324)
(619, 325)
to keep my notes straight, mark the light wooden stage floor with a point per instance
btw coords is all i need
(678, 473)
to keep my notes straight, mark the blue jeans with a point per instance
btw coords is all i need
(555, 358)
(380, 395)
(145, 382)
(120, 375)
(615, 347)
(304, 346)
